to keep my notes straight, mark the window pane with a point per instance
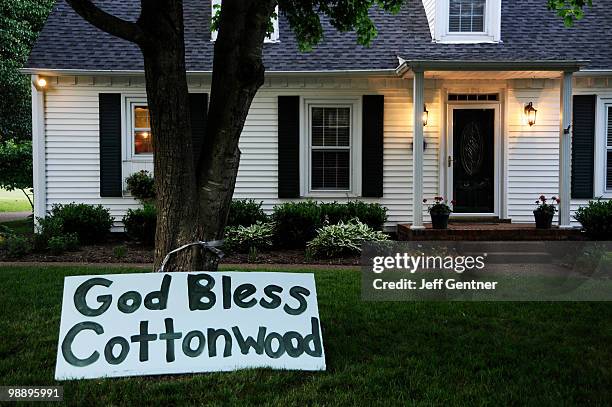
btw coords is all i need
(330, 126)
(466, 15)
(330, 170)
(141, 117)
(143, 142)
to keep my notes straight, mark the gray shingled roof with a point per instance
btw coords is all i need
(529, 32)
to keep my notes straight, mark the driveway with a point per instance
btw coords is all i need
(11, 216)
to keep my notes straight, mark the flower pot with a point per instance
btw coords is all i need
(439, 220)
(543, 219)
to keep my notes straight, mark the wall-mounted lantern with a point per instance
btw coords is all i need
(40, 84)
(425, 115)
(530, 113)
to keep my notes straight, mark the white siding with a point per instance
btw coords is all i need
(72, 144)
(430, 12)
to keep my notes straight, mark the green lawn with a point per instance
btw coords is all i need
(377, 353)
(13, 201)
(23, 227)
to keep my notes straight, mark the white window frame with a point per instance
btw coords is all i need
(130, 103)
(492, 25)
(272, 38)
(354, 103)
(601, 145)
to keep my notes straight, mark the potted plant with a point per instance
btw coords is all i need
(545, 211)
(439, 212)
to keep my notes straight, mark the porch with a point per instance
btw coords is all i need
(492, 159)
(500, 230)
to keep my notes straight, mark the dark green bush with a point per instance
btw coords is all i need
(596, 219)
(142, 186)
(296, 223)
(17, 246)
(91, 223)
(140, 224)
(245, 212)
(372, 214)
(60, 244)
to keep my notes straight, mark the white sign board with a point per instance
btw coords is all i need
(164, 323)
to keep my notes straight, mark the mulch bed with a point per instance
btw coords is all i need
(134, 253)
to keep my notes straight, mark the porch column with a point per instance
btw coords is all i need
(417, 150)
(565, 150)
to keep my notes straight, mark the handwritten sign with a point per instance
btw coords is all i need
(166, 323)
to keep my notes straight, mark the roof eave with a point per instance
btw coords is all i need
(462, 65)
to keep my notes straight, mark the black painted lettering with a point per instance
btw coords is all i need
(315, 338)
(274, 354)
(226, 284)
(129, 302)
(144, 338)
(213, 334)
(244, 291)
(271, 291)
(188, 350)
(81, 293)
(294, 350)
(199, 286)
(300, 294)
(108, 350)
(170, 336)
(249, 342)
(158, 300)
(69, 338)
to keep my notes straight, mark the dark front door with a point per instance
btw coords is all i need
(473, 160)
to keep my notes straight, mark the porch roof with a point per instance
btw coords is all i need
(489, 69)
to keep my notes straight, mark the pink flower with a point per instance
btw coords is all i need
(542, 198)
(453, 202)
(558, 200)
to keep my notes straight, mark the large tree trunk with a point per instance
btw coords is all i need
(238, 72)
(193, 198)
(168, 100)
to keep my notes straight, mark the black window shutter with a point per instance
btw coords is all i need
(583, 146)
(288, 146)
(372, 146)
(198, 109)
(110, 144)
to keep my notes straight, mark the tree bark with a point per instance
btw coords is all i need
(238, 72)
(193, 199)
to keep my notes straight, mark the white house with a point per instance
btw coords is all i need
(345, 121)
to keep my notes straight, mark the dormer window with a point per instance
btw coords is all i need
(466, 16)
(464, 21)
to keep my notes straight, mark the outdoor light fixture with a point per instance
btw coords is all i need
(530, 113)
(425, 115)
(40, 83)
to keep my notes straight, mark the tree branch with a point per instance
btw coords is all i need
(106, 22)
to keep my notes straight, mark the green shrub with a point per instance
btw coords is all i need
(596, 219)
(245, 212)
(91, 223)
(140, 224)
(372, 214)
(142, 186)
(17, 246)
(119, 252)
(248, 239)
(296, 223)
(60, 244)
(343, 239)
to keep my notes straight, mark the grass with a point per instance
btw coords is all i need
(22, 227)
(13, 201)
(377, 353)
